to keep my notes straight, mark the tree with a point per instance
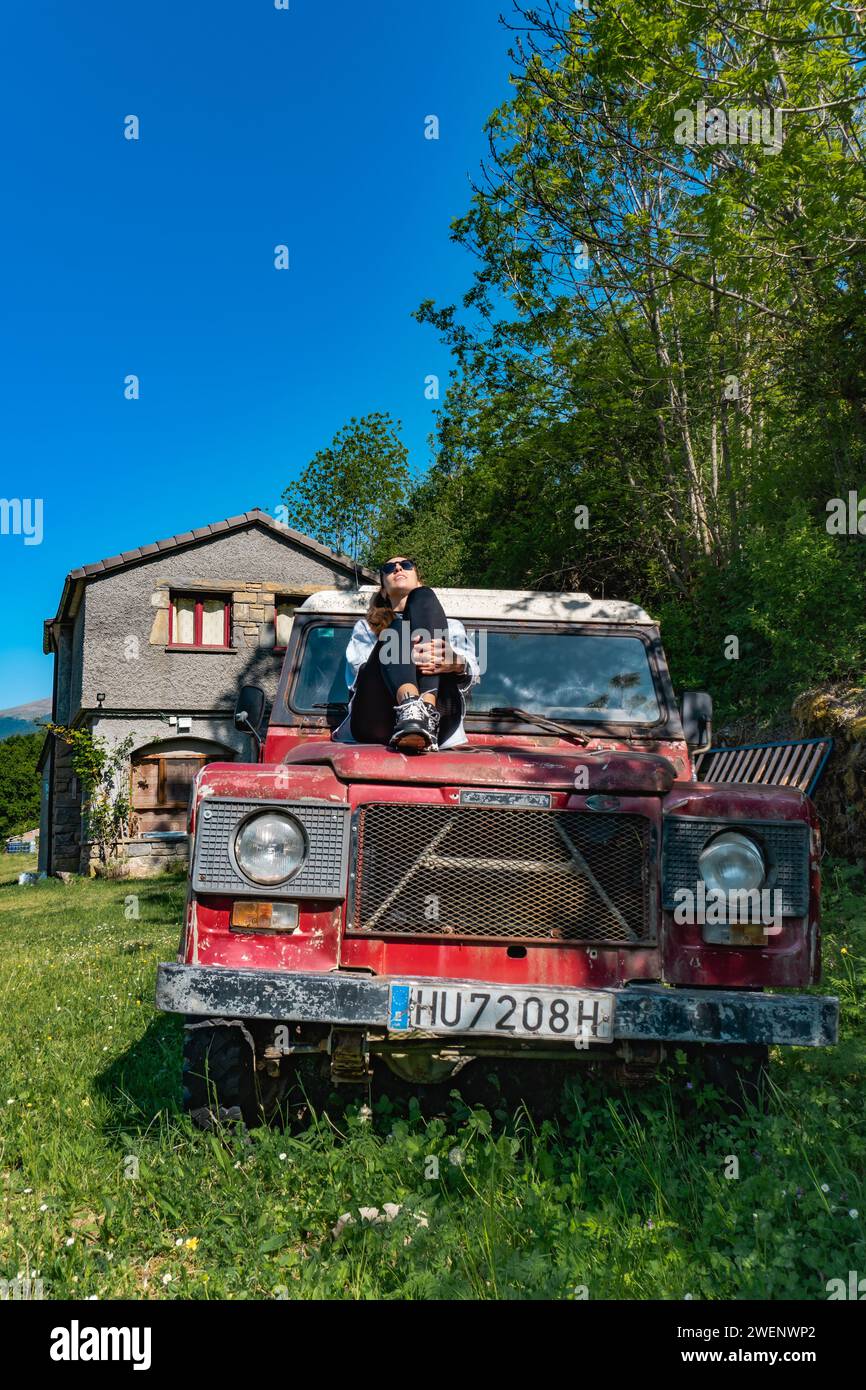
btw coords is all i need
(348, 489)
(666, 324)
(19, 783)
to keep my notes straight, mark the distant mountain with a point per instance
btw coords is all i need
(24, 719)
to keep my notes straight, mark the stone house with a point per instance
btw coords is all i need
(155, 643)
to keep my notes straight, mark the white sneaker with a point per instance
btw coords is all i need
(416, 726)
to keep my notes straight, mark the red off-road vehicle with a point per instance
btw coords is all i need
(560, 888)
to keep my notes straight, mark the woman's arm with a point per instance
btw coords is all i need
(457, 656)
(358, 649)
(464, 650)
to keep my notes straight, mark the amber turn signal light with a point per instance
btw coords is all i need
(257, 916)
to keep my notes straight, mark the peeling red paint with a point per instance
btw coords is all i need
(647, 777)
(678, 957)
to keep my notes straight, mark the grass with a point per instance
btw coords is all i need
(108, 1191)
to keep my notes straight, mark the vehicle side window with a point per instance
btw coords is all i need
(321, 678)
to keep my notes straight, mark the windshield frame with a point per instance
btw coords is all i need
(286, 715)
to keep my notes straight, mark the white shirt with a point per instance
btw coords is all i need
(359, 648)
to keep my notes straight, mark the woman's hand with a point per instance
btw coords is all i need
(436, 658)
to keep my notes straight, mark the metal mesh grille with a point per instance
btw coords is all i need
(323, 875)
(785, 846)
(495, 873)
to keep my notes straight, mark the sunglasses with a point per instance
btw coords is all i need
(393, 564)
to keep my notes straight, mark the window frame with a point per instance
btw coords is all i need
(286, 714)
(197, 645)
(293, 605)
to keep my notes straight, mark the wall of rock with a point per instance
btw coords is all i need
(839, 713)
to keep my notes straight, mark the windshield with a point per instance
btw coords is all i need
(578, 676)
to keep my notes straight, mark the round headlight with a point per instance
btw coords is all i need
(270, 847)
(732, 861)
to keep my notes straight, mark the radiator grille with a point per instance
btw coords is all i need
(502, 874)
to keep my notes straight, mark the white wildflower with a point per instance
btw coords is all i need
(347, 1219)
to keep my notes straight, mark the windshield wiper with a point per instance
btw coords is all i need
(542, 723)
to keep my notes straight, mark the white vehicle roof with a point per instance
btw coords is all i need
(531, 605)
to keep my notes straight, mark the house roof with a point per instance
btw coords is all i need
(532, 605)
(127, 558)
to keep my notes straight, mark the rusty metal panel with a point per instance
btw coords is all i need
(501, 873)
(641, 1013)
(726, 1016)
(794, 763)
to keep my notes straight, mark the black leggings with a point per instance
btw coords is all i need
(389, 667)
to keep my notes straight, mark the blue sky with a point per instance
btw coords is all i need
(258, 127)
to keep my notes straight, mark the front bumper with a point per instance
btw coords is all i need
(643, 1013)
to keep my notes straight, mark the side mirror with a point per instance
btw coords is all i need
(249, 710)
(697, 719)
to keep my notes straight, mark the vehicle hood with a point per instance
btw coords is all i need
(621, 772)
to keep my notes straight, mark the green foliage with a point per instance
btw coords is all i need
(347, 488)
(19, 783)
(793, 597)
(102, 770)
(110, 1191)
(668, 334)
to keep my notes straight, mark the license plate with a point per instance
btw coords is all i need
(499, 1011)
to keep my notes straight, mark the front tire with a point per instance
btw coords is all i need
(220, 1081)
(741, 1073)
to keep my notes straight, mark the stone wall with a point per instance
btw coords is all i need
(839, 713)
(66, 849)
(137, 858)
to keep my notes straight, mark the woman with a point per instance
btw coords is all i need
(408, 668)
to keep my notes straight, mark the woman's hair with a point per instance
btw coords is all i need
(380, 614)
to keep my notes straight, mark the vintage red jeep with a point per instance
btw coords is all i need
(560, 888)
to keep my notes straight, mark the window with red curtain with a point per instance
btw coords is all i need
(199, 620)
